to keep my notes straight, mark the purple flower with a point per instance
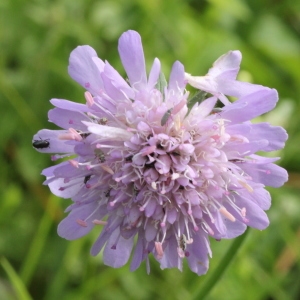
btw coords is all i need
(142, 165)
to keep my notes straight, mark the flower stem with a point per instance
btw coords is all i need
(208, 285)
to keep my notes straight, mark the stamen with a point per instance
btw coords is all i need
(159, 250)
(226, 192)
(118, 198)
(131, 129)
(226, 214)
(196, 228)
(160, 171)
(153, 185)
(243, 211)
(189, 211)
(81, 223)
(268, 172)
(118, 179)
(163, 222)
(207, 229)
(163, 189)
(74, 163)
(164, 234)
(89, 98)
(107, 169)
(175, 176)
(99, 222)
(189, 239)
(76, 135)
(89, 216)
(71, 135)
(66, 136)
(142, 208)
(99, 146)
(209, 214)
(246, 186)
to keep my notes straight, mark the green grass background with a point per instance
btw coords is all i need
(36, 38)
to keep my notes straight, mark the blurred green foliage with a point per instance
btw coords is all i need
(36, 38)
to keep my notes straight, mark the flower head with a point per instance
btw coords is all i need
(146, 166)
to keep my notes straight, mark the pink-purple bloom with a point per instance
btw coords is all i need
(154, 173)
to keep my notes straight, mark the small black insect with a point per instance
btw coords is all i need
(107, 193)
(166, 117)
(84, 135)
(175, 154)
(103, 121)
(236, 160)
(129, 158)
(41, 144)
(100, 155)
(86, 179)
(216, 110)
(182, 242)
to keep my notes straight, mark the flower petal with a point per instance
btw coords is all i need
(65, 118)
(112, 223)
(115, 86)
(227, 66)
(60, 188)
(70, 229)
(267, 174)
(198, 259)
(132, 56)
(69, 105)
(154, 74)
(203, 109)
(250, 106)
(108, 132)
(117, 250)
(176, 81)
(170, 258)
(234, 229)
(139, 253)
(83, 69)
(275, 135)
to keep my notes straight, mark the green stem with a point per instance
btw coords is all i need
(208, 285)
(16, 282)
